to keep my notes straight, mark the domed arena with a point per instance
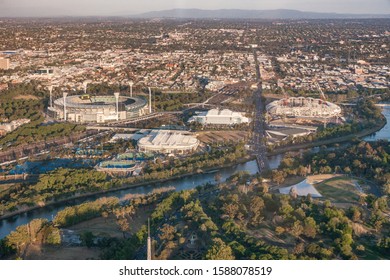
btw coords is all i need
(97, 109)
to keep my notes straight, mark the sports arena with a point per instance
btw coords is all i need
(305, 107)
(97, 109)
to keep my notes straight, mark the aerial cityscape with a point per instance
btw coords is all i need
(225, 135)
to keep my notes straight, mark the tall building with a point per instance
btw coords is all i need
(4, 63)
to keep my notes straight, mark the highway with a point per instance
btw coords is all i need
(259, 148)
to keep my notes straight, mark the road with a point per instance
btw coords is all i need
(259, 148)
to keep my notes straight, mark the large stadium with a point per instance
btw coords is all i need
(97, 109)
(305, 107)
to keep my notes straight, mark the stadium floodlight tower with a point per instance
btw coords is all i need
(150, 100)
(131, 88)
(117, 104)
(65, 94)
(51, 96)
(85, 86)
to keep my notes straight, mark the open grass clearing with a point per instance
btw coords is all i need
(340, 190)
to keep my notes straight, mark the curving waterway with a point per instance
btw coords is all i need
(185, 183)
(384, 133)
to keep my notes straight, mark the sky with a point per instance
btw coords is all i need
(37, 8)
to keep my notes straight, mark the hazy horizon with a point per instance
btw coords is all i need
(56, 8)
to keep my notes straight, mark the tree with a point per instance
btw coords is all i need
(167, 232)
(123, 225)
(53, 237)
(355, 214)
(302, 171)
(310, 227)
(230, 209)
(18, 238)
(219, 250)
(297, 229)
(279, 230)
(278, 176)
(255, 208)
(87, 238)
(299, 248)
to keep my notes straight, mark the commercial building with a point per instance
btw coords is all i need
(220, 117)
(97, 109)
(168, 141)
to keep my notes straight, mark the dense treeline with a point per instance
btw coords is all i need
(174, 101)
(26, 90)
(304, 228)
(85, 211)
(235, 220)
(250, 223)
(35, 131)
(38, 231)
(368, 160)
(364, 159)
(217, 156)
(185, 208)
(31, 105)
(42, 232)
(18, 109)
(65, 183)
(58, 184)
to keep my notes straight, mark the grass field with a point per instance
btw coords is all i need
(108, 227)
(340, 190)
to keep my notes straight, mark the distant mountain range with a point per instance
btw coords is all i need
(251, 14)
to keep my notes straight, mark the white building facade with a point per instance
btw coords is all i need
(220, 117)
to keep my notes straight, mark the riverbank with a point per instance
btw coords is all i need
(342, 139)
(123, 187)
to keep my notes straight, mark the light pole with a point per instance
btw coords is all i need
(117, 104)
(150, 100)
(51, 97)
(65, 94)
(85, 85)
(131, 88)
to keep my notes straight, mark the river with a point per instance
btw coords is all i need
(8, 225)
(190, 182)
(384, 133)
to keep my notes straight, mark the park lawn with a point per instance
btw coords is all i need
(341, 189)
(99, 226)
(108, 227)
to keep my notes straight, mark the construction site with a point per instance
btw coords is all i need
(292, 117)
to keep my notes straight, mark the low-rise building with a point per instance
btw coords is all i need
(11, 126)
(168, 141)
(220, 117)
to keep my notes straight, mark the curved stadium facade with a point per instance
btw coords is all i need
(97, 109)
(303, 107)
